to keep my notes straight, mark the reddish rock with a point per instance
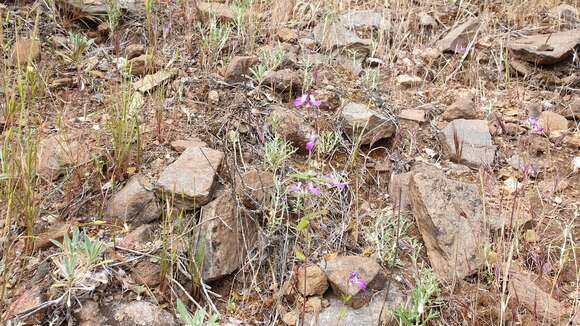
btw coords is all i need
(28, 299)
(239, 67)
(311, 281)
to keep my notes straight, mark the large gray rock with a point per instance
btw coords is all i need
(224, 233)
(546, 49)
(337, 313)
(339, 269)
(450, 218)
(191, 179)
(360, 120)
(337, 35)
(473, 140)
(135, 204)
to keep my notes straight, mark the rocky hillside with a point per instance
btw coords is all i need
(270, 162)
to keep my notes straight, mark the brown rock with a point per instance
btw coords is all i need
(181, 145)
(463, 108)
(146, 273)
(329, 99)
(546, 49)
(59, 152)
(284, 81)
(291, 125)
(573, 140)
(291, 318)
(313, 304)
(450, 220)
(413, 115)
(191, 179)
(339, 269)
(54, 233)
(469, 142)
(365, 125)
(90, 314)
(138, 238)
(28, 299)
(285, 34)
(225, 235)
(238, 67)
(308, 43)
(311, 281)
(281, 12)
(143, 65)
(458, 38)
(134, 50)
(399, 185)
(24, 50)
(551, 121)
(221, 11)
(524, 290)
(254, 187)
(101, 7)
(135, 204)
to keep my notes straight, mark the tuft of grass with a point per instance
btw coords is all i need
(75, 48)
(328, 141)
(114, 14)
(384, 234)
(124, 130)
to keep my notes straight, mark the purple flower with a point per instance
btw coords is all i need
(311, 142)
(311, 188)
(299, 188)
(300, 101)
(295, 187)
(332, 181)
(355, 279)
(306, 100)
(534, 125)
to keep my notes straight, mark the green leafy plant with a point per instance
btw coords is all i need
(114, 14)
(382, 234)
(78, 263)
(75, 48)
(276, 152)
(214, 38)
(197, 319)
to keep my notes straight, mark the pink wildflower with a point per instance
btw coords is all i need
(355, 279)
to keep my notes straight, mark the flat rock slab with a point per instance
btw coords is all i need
(150, 82)
(546, 49)
(224, 233)
(365, 125)
(450, 218)
(191, 179)
(473, 139)
(101, 7)
(459, 37)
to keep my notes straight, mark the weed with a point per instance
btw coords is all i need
(270, 60)
(75, 48)
(78, 264)
(371, 79)
(197, 319)
(383, 236)
(276, 152)
(214, 39)
(114, 14)
(123, 127)
(328, 141)
(419, 309)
